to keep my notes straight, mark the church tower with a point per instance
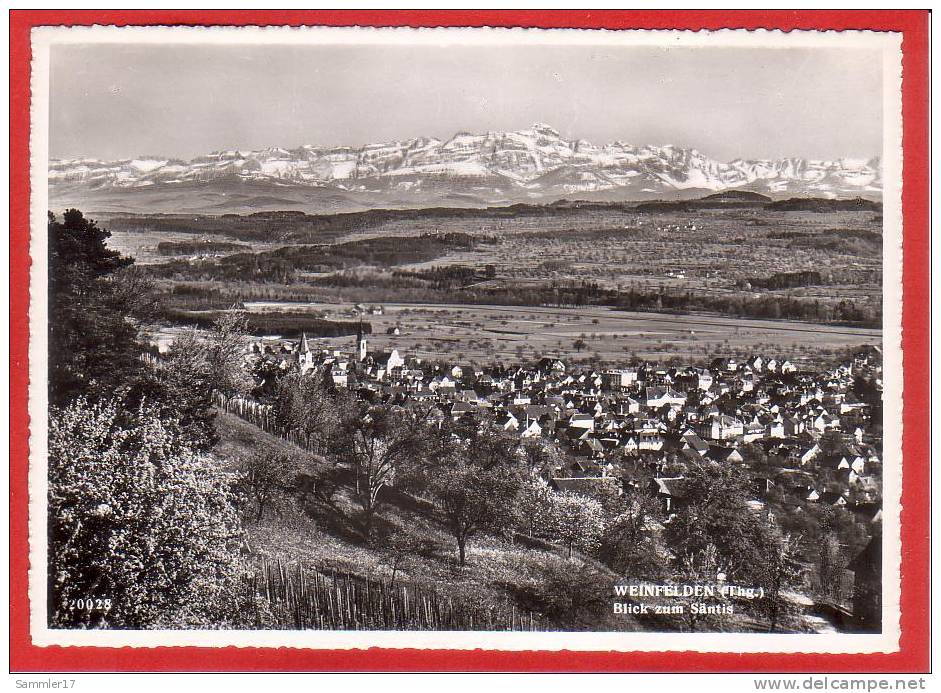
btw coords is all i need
(361, 343)
(305, 356)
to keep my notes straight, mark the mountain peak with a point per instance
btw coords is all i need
(497, 167)
(542, 128)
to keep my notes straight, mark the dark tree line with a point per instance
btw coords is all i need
(93, 343)
(285, 324)
(785, 280)
(283, 265)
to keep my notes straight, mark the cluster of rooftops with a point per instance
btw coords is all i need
(815, 436)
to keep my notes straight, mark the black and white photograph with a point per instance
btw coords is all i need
(466, 337)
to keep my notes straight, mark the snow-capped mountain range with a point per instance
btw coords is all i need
(535, 164)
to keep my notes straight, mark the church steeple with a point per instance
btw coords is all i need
(361, 342)
(305, 358)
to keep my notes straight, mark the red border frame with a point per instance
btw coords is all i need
(914, 655)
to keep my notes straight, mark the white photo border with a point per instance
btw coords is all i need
(889, 43)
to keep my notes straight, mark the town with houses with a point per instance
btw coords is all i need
(807, 437)
(661, 415)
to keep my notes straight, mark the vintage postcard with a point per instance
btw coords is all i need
(462, 338)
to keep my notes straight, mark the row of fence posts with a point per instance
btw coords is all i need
(305, 599)
(262, 416)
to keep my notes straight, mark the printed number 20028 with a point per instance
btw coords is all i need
(90, 604)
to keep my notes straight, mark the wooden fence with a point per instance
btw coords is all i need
(300, 598)
(263, 416)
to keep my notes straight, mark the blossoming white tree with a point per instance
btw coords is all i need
(574, 520)
(143, 532)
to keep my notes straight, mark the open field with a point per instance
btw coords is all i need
(754, 262)
(703, 250)
(511, 333)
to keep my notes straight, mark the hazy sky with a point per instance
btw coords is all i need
(121, 101)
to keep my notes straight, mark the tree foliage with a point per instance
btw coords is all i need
(630, 543)
(181, 382)
(141, 526)
(716, 515)
(303, 403)
(573, 520)
(534, 502)
(542, 456)
(573, 595)
(777, 571)
(477, 486)
(265, 472)
(376, 442)
(93, 341)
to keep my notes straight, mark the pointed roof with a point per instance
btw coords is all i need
(305, 347)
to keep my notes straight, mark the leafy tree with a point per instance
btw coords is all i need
(630, 543)
(490, 446)
(754, 456)
(177, 388)
(777, 571)
(542, 456)
(376, 441)
(829, 566)
(573, 595)
(93, 342)
(141, 526)
(304, 404)
(265, 472)
(716, 514)
(267, 377)
(866, 388)
(534, 502)
(476, 487)
(574, 520)
(221, 349)
(181, 382)
(401, 546)
(635, 471)
(701, 566)
(836, 525)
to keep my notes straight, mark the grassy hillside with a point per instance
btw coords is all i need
(500, 573)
